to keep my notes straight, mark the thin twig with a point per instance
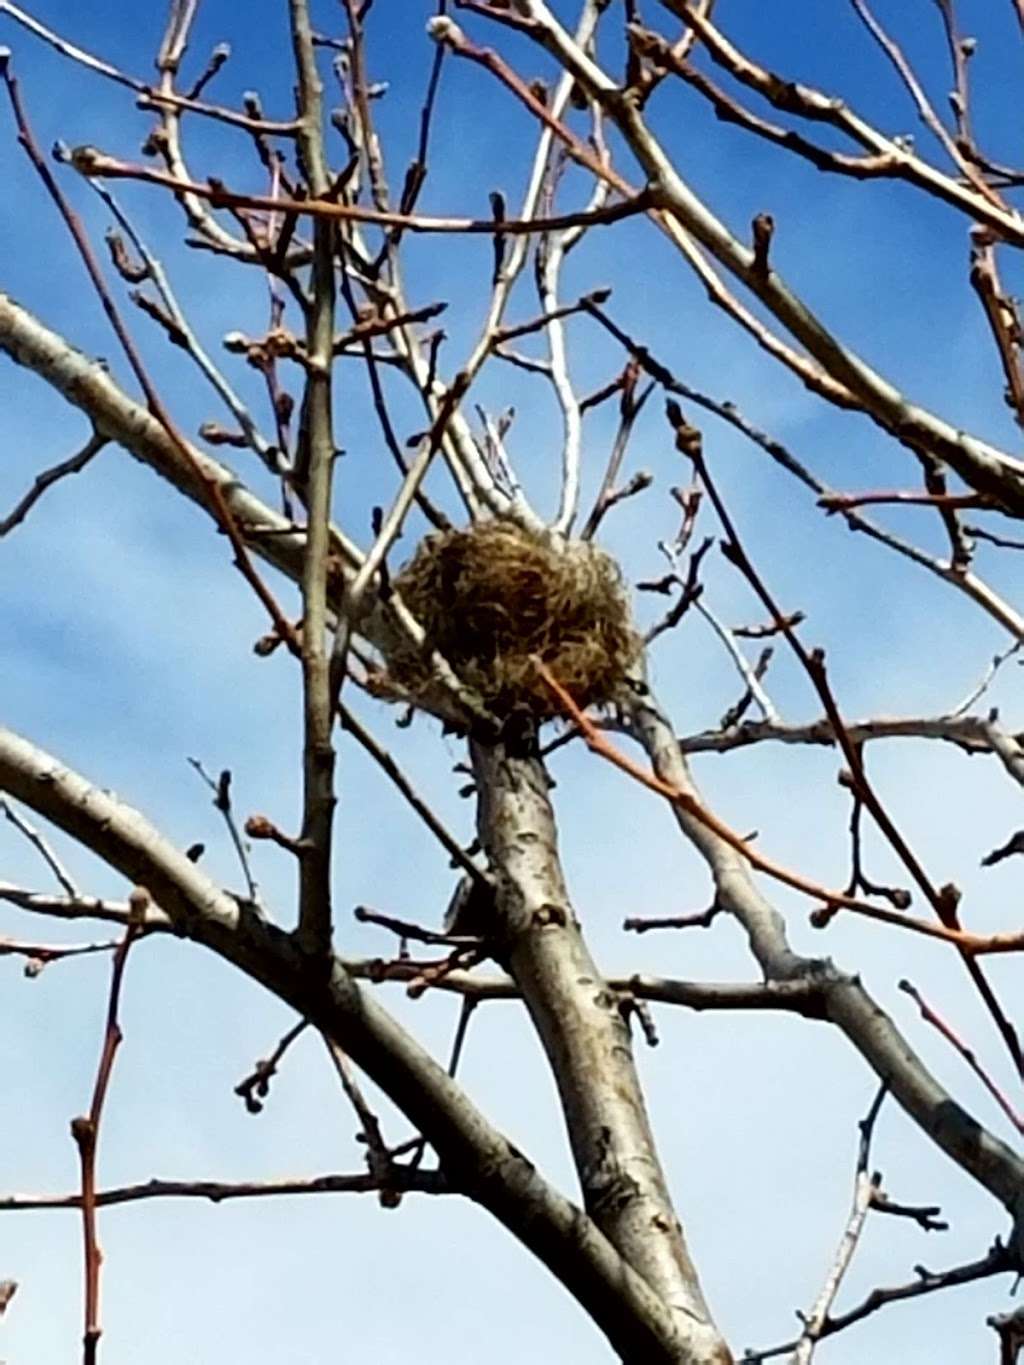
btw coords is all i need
(378, 1154)
(41, 846)
(270, 455)
(925, 110)
(221, 789)
(72, 465)
(701, 919)
(89, 162)
(86, 1129)
(406, 929)
(254, 1088)
(744, 669)
(885, 497)
(977, 692)
(315, 465)
(384, 760)
(148, 96)
(930, 1016)
(599, 744)
(39, 955)
(962, 580)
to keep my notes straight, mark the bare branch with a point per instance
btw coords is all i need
(209, 489)
(253, 1089)
(944, 900)
(864, 1191)
(49, 857)
(490, 1170)
(221, 789)
(998, 1261)
(684, 217)
(833, 900)
(930, 1016)
(72, 465)
(271, 456)
(222, 1191)
(86, 1130)
(91, 163)
(847, 1003)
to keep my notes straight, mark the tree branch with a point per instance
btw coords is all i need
(479, 1161)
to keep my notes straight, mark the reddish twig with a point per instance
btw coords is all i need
(213, 493)
(1002, 315)
(262, 827)
(844, 502)
(599, 744)
(700, 919)
(930, 1016)
(943, 900)
(90, 162)
(85, 1129)
(39, 955)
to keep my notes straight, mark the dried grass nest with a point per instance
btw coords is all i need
(493, 597)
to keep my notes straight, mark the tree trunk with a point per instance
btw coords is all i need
(586, 1038)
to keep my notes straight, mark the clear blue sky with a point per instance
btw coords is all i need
(127, 648)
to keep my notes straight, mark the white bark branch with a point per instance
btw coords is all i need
(586, 1039)
(995, 1166)
(474, 1157)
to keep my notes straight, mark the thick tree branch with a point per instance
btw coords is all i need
(477, 1159)
(585, 1036)
(984, 1157)
(269, 535)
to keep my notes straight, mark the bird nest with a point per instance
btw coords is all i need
(494, 598)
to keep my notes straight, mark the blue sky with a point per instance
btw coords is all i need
(127, 648)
